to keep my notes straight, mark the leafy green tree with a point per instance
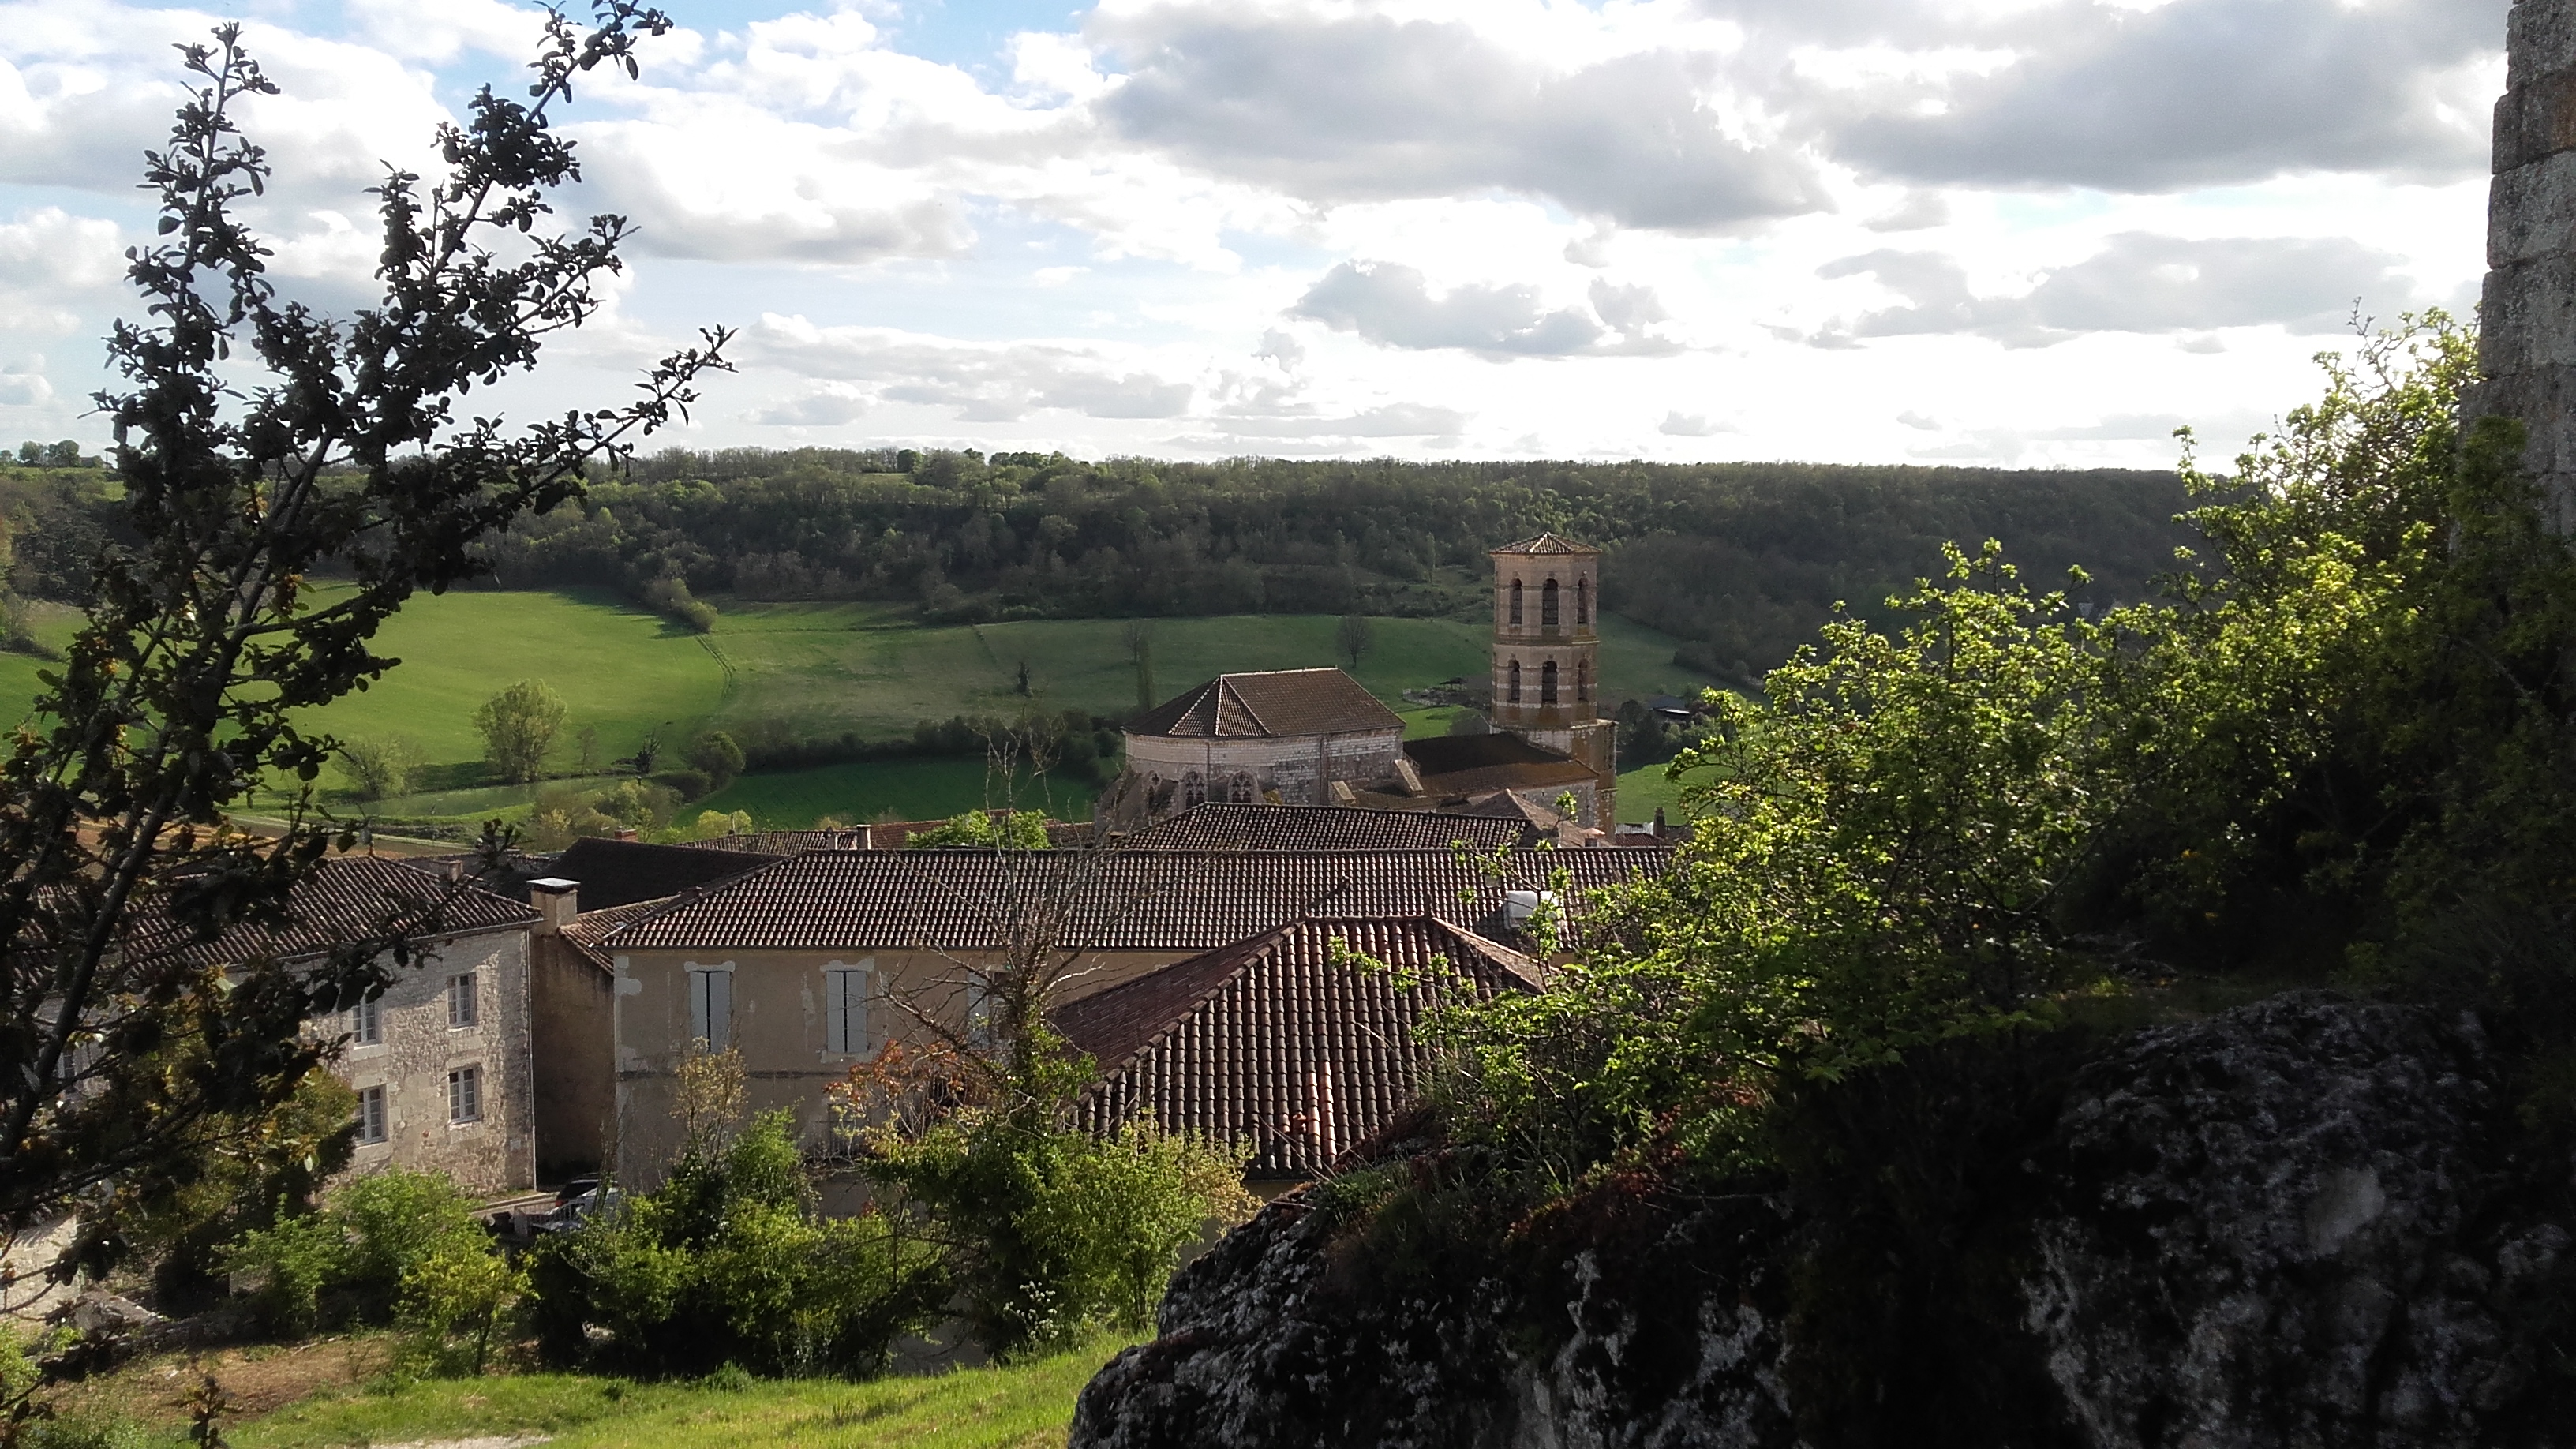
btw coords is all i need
(518, 727)
(718, 756)
(258, 442)
(986, 830)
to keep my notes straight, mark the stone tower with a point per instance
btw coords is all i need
(2527, 319)
(1547, 657)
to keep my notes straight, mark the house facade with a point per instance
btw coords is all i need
(813, 965)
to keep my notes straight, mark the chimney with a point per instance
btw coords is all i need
(626, 832)
(2527, 317)
(558, 902)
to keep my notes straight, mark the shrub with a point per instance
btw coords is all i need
(687, 784)
(987, 830)
(395, 1220)
(452, 1299)
(729, 1263)
(294, 1261)
(717, 756)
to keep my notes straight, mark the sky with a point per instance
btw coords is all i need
(2029, 233)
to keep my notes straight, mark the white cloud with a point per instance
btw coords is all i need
(1391, 420)
(24, 385)
(2140, 282)
(55, 267)
(1693, 425)
(980, 382)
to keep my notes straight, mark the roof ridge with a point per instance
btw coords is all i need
(1226, 683)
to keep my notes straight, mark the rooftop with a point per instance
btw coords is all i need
(1281, 702)
(1136, 900)
(1464, 765)
(1222, 826)
(618, 872)
(347, 899)
(1547, 543)
(1284, 1043)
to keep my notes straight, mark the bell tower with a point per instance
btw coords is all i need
(1547, 657)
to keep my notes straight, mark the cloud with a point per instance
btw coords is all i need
(1393, 306)
(2140, 282)
(983, 382)
(1918, 211)
(54, 266)
(1919, 422)
(2118, 427)
(824, 407)
(24, 385)
(1693, 425)
(1394, 420)
(1338, 108)
(2192, 93)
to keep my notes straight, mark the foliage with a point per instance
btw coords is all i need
(351, 1260)
(986, 830)
(1742, 560)
(256, 441)
(294, 1260)
(379, 768)
(717, 756)
(2341, 742)
(252, 1177)
(729, 1262)
(453, 1299)
(518, 727)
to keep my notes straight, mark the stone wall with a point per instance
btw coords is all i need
(2527, 343)
(1299, 767)
(496, 1153)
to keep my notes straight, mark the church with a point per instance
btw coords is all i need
(1315, 737)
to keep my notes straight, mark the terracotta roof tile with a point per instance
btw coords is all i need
(592, 927)
(1456, 765)
(346, 898)
(1279, 1043)
(785, 842)
(1280, 702)
(1218, 825)
(1143, 900)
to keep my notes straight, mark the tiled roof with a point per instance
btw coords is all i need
(1455, 765)
(592, 927)
(1142, 900)
(618, 872)
(346, 898)
(785, 842)
(1281, 702)
(1276, 1045)
(1506, 805)
(1547, 543)
(1218, 825)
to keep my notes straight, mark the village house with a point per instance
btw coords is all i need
(1285, 737)
(813, 964)
(440, 1060)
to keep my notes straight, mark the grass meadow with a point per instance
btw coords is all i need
(822, 669)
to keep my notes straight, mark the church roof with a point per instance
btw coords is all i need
(1280, 702)
(1547, 543)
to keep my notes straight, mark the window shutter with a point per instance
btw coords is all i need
(845, 1011)
(711, 1007)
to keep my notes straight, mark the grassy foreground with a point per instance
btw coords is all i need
(1022, 1407)
(325, 1395)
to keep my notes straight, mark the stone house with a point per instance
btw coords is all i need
(813, 964)
(1285, 737)
(440, 1060)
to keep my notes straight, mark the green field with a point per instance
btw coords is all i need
(802, 670)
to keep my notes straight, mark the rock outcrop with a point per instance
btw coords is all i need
(2301, 1223)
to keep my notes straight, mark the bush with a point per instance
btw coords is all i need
(452, 1299)
(294, 1261)
(395, 1220)
(717, 756)
(687, 784)
(987, 830)
(729, 1263)
(669, 597)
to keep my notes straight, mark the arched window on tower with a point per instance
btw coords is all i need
(1512, 692)
(1583, 601)
(1193, 789)
(1547, 604)
(1582, 680)
(1242, 792)
(1516, 601)
(1547, 683)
